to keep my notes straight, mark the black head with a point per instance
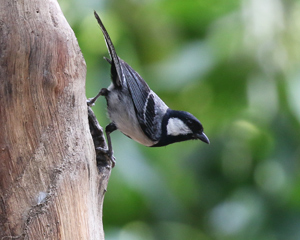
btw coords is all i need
(180, 126)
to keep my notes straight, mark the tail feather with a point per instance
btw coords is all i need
(116, 70)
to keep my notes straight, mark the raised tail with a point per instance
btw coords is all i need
(116, 70)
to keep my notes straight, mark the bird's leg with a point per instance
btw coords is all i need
(108, 130)
(102, 92)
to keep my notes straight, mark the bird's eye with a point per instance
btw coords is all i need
(189, 122)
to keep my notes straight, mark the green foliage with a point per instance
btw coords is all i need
(235, 66)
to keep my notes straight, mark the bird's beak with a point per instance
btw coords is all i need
(203, 137)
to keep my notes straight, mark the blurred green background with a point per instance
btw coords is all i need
(234, 65)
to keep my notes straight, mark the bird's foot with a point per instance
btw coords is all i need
(91, 101)
(108, 154)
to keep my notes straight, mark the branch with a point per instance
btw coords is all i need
(51, 186)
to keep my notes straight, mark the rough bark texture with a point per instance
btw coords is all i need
(50, 187)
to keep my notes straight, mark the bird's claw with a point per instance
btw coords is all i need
(90, 102)
(109, 154)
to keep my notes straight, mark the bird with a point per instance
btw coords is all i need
(137, 111)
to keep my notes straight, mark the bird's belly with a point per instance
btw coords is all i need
(122, 113)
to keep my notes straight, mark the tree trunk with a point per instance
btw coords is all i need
(50, 186)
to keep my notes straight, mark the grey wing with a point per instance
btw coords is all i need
(144, 102)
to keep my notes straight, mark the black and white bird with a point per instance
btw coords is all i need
(138, 112)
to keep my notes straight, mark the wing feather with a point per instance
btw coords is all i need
(143, 100)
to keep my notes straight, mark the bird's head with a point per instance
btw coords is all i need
(181, 126)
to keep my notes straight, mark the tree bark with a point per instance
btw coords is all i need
(50, 186)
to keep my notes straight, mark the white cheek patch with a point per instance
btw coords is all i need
(177, 127)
